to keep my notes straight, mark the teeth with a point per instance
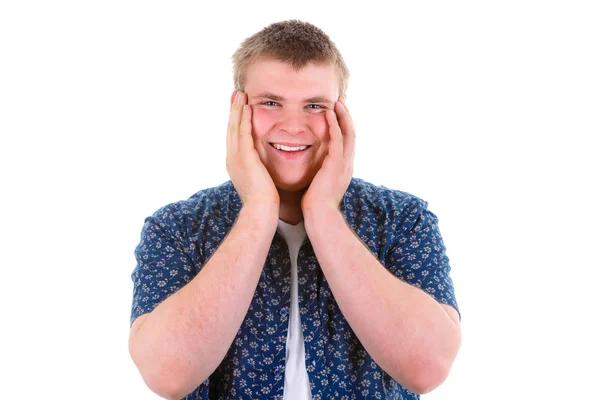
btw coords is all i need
(286, 148)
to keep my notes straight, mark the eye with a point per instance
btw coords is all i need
(316, 105)
(269, 103)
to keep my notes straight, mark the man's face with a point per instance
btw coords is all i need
(288, 108)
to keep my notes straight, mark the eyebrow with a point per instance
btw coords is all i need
(316, 99)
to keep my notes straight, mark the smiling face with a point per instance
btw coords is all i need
(288, 108)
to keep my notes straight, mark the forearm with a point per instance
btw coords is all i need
(184, 339)
(405, 330)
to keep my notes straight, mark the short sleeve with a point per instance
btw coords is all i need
(418, 255)
(163, 264)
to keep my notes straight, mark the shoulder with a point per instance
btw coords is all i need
(379, 199)
(212, 202)
(380, 215)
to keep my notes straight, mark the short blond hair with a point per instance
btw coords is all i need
(294, 42)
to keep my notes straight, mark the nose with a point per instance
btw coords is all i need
(293, 121)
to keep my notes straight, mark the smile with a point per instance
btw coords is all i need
(289, 152)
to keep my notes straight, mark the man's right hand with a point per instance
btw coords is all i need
(248, 174)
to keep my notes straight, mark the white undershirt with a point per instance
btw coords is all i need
(296, 386)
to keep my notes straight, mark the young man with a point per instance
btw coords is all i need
(293, 280)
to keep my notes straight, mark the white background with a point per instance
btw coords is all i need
(488, 110)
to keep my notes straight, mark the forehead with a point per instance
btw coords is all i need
(273, 76)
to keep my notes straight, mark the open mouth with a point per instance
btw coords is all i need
(290, 151)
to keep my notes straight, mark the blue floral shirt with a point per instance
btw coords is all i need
(396, 226)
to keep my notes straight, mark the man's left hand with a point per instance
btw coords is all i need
(331, 182)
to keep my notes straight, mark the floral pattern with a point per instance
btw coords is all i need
(397, 227)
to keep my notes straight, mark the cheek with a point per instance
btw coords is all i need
(262, 121)
(319, 126)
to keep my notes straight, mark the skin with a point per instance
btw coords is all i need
(183, 340)
(311, 190)
(260, 176)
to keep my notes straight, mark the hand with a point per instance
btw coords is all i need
(331, 182)
(248, 174)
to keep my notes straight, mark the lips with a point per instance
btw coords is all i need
(288, 144)
(290, 155)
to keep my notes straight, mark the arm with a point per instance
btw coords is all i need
(408, 333)
(184, 339)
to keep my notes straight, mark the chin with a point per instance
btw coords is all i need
(297, 187)
(290, 180)
(292, 185)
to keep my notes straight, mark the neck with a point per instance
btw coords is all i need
(290, 209)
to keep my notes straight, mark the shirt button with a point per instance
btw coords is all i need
(283, 312)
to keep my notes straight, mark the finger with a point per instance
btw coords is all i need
(240, 102)
(235, 92)
(235, 119)
(231, 109)
(347, 127)
(335, 134)
(229, 124)
(343, 101)
(245, 137)
(236, 111)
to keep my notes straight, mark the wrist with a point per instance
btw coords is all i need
(320, 216)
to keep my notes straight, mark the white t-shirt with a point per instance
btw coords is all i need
(296, 386)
